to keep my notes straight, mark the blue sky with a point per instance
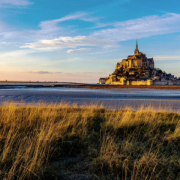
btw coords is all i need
(82, 40)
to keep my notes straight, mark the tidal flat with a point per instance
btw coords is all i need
(61, 141)
(113, 99)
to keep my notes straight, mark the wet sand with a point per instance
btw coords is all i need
(110, 98)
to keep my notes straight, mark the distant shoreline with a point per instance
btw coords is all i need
(124, 87)
(40, 84)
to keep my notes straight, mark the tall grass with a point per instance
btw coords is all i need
(59, 141)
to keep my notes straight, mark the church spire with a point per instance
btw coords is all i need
(136, 52)
(136, 45)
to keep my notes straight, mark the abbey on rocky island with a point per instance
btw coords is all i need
(138, 60)
(137, 69)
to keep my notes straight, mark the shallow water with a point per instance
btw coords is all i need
(111, 98)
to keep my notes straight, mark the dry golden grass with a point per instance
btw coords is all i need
(59, 141)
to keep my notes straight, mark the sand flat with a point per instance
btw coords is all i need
(109, 98)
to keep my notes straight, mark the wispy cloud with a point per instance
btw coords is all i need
(3, 43)
(142, 27)
(166, 58)
(122, 31)
(101, 25)
(17, 53)
(41, 72)
(85, 74)
(66, 42)
(78, 50)
(52, 25)
(14, 3)
(50, 29)
(52, 36)
(64, 73)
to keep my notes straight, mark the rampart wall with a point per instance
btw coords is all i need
(139, 83)
(145, 83)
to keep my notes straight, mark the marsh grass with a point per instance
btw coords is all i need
(60, 141)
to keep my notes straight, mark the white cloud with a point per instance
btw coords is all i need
(41, 72)
(81, 16)
(18, 3)
(66, 42)
(142, 27)
(63, 73)
(122, 31)
(51, 36)
(3, 43)
(48, 29)
(52, 25)
(78, 50)
(17, 53)
(166, 58)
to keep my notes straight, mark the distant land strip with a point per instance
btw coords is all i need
(123, 86)
(41, 84)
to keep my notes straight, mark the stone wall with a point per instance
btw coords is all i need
(144, 83)
(118, 83)
(164, 83)
(140, 83)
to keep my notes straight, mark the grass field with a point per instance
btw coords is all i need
(69, 142)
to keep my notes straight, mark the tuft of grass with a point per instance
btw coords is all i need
(60, 141)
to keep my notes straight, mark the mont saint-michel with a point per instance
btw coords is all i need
(138, 69)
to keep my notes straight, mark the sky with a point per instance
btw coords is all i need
(82, 40)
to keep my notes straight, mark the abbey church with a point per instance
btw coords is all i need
(137, 69)
(138, 60)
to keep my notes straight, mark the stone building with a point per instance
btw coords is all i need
(137, 60)
(137, 69)
(102, 80)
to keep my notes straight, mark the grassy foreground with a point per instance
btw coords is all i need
(67, 142)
